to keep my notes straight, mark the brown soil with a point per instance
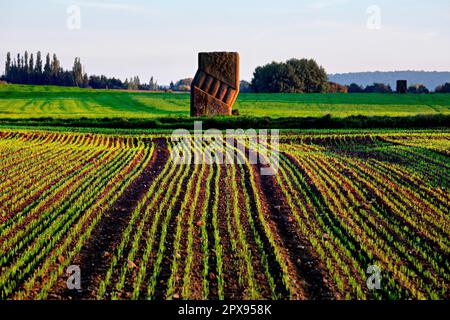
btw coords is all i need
(95, 257)
(232, 290)
(299, 249)
(166, 264)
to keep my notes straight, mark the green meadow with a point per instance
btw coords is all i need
(32, 102)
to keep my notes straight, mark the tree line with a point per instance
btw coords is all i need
(306, 76)
(383, 88)
(292, 76)
(31, 69)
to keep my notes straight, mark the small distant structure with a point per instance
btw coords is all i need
(402, 86)
(216, 84)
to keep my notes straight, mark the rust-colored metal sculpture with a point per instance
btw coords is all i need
(216, 84)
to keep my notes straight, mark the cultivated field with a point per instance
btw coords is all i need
(24, 102)
(141, 227)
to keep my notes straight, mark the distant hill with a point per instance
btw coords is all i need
(431, 79)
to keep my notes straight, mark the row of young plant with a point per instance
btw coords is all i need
(280, 278)
(317, 224)
(139, 226)
(33, 186)
(80, 234)
(366, 231)
(28, 237)
(345, 184)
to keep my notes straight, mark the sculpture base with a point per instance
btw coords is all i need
(206, 105)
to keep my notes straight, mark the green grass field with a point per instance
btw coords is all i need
(30, 102)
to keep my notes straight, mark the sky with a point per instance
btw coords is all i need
(162, 38)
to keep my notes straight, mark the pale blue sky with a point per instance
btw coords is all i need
(162, 38)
